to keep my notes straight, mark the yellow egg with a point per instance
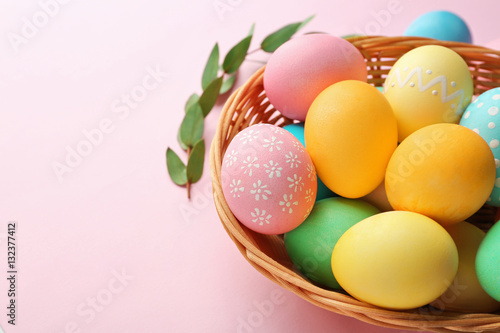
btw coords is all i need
(465, 294)
(428, 85)
(395, 260)
(443, 171)
(350, 133)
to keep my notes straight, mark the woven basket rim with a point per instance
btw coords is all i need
(229, 124)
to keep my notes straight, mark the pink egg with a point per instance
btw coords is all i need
(304, 66)
(268, 179)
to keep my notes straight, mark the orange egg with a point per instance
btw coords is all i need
(350, 133)
(444, 171)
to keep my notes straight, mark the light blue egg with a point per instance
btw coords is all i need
(297, 130)
(442, 25)
(483, 117)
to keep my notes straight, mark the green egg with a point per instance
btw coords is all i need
(311, 244)
(488, 262)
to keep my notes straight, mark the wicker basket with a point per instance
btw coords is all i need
(248, 105)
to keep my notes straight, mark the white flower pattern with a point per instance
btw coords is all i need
(287, 203)
(248, 164)
(309, 195)
(260, 216)
(260, 190)
(231, 158)
(298, 145)
(311, 172)
(272, 144)
(292, 159)
(236, 189)
(308, 212)
(277, 130)
(249, 136)
(273, 169)
(296, 183)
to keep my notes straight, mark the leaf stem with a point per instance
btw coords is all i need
(253, 51)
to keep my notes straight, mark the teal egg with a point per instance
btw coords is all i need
(483, 117)
(311, 244)
(297, 130)
(442, 25)
(488, 262)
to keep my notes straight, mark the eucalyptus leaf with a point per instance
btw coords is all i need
(277, 38)
(307, 20)
(176, 168)
(183, 146)
(235, 57)
(351, 36)
(191, 129)
(191, 100)
(209, 96)
(195, 163)
(228, 84)
(252, 29)
(211, 68)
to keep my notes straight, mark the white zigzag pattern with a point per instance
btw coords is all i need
(441, 79)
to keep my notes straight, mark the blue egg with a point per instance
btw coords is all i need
(297, 130)
(483, 117)
(442, 25)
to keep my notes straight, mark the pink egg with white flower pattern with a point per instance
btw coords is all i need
(268, 179)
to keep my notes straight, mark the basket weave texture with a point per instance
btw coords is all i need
(249, 105)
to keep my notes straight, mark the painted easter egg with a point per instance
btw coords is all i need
(442, 25)
(443, 171)
(304, 66)
(428, 85)
(396, 260)
(351, 133)
(488, 262)
(482, 116)
(268, 179)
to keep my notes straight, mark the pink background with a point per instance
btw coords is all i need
(113, 227)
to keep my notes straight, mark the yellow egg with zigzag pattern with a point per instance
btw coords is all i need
(428, 85)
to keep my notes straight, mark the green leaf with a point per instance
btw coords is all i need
(191, 129)
(209, 96)
(176, 168)
(277, 38)
(183, 146)
(252, 29)
(307, 20)
(351, 36)
(194, 168)
(235, 57)
(211, 68)
(191, 100)
(228, 84)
